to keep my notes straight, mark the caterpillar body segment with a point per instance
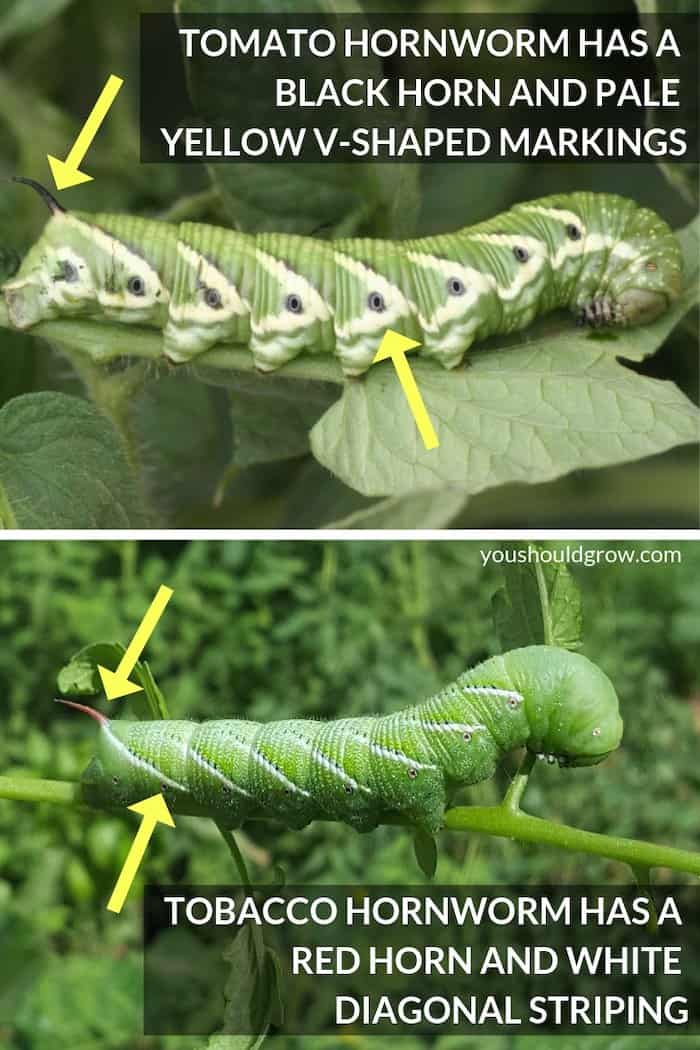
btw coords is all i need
(281, 295)
(368, 770)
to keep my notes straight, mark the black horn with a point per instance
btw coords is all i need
(51, 202)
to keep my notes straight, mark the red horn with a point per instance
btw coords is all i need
(97, 715)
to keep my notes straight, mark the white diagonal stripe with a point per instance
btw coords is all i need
(202, 761)
(272, 769)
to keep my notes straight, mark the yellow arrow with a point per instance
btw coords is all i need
(67, 172)
(395, 346)
(154, 811)
(116, 683)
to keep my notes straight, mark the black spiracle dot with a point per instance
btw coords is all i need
(68, 272)
(573, 232)
(136, 285)
(348, 789)
(412, 773)
(512, 703)
(287, 791)
(294, 303)
(375, 301)
(466, 736)
(115, 780)
(212, 297)
(455, 286)
(521, 254)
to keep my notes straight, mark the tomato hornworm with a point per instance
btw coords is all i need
(281, 295)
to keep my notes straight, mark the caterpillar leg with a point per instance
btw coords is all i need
(600, 312)
(449, 359)
(356, 359)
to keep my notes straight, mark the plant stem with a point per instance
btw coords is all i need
(514, 794)
(233, 848)
(544, 602)
(503, 821)
(193, 207)
(24, 789)
(507, 823)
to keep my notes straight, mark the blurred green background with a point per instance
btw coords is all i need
(268, 630)
(55, 55)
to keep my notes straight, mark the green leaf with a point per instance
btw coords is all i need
(234, 1042)
(9, 263)
(540, 603)
(554, 403)
(27, 16)
(62, 465)
(64, 997)
(433, 509)
(337, 199)
(80, 677)
(654, 17)
(425, 849)
(445, 206)
(252, 992)
(529, 415)
(272, 417)
(181, 465)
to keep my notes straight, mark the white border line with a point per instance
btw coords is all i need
(326, 535)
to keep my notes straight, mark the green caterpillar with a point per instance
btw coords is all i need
(363, 771)
(602, 256)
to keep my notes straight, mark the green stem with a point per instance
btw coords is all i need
(193, 207)
(234, 849)
(544, 604)
(504, 822)
(7, 517)
(500, 820)
(24, 789)
(514, 794)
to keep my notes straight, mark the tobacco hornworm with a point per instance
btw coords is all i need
(364, 770)
(281, 295)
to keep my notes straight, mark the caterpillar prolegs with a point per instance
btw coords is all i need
(363, 771)
(601, 256)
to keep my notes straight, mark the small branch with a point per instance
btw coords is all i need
(24, 789)
(544, 604)
(192, 207)
(516, 790)
(233, 848)
(503, 822)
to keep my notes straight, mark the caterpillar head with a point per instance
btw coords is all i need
(649, 277)
(77, 267)
(571, 705)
